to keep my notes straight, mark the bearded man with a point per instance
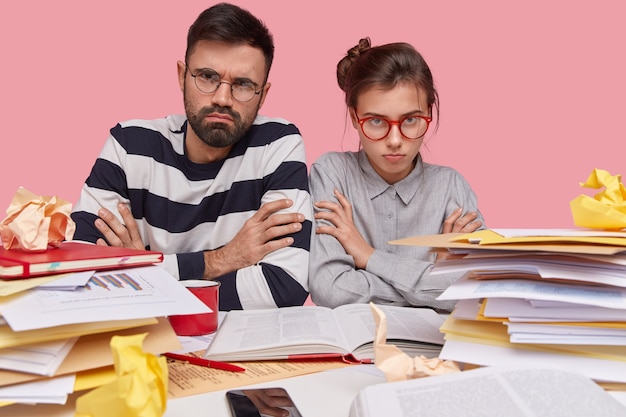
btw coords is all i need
(222, 191)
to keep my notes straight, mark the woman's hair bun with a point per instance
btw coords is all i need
(353, 54)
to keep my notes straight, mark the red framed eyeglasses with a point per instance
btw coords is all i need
(411, 127)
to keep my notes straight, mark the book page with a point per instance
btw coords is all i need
(303, 329)
(403, 323)
(186, 379)
(489, 391)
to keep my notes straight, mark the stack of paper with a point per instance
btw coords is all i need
(550, 297)
(57, 329)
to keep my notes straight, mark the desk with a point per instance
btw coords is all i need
(327, 394)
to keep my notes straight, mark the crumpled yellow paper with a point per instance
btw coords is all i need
(140, 389)
(607, 209)
(35, 222)
(397, 365)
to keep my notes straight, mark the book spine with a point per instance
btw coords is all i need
(309, 356)
(349, 358)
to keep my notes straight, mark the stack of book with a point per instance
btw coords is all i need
(551, 297)
(56, 328)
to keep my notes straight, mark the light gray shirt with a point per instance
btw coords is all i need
(416, 205)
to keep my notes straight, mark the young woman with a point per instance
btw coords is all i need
(385, 191)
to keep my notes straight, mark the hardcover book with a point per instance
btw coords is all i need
(71, 257)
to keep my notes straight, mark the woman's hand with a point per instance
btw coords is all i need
(458, 223)
(343, 229)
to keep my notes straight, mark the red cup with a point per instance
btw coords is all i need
(199, 324)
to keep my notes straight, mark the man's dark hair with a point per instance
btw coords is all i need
(226, 22)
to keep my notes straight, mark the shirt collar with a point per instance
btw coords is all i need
(375, 185)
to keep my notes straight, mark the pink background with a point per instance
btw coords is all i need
(532, 93)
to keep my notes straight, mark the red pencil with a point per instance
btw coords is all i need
(194, 360)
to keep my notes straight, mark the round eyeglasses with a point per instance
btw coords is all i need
(208, 81)
(411, 127)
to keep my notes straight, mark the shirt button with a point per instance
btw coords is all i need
(390, 215)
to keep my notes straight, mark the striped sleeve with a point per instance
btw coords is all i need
(183, 209)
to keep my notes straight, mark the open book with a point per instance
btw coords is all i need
(486, 392)
(347, 331)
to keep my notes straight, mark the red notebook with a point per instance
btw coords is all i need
(71, 257)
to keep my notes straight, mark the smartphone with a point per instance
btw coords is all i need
(261, 402)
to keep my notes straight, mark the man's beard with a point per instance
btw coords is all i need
(216, 134)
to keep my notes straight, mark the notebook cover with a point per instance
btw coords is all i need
(71, 257)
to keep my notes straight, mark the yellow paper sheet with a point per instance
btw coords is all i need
(93, 351)
(9, 338)
(186, 379)
(460, 241)
(140, 386)
(93, 378)
(490, 237)
(607, 209)
(15, 286)
(490, 333)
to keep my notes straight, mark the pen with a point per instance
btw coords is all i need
(194, 360)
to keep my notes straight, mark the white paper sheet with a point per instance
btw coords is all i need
(588, 340)
(113, 295)
(69, 282)
(39, 358)
(517, 309)
(544, 266)
(45, 391)
(609, 297)
(489, 355)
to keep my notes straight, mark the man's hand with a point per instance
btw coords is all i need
(263, 233)
(455, 223)
(116, 233)
(344, 230)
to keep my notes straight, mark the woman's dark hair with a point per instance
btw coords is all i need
(225, 22)
(384, 66)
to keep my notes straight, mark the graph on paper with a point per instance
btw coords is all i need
(112, 282)
(122, 294)
(105, 288)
